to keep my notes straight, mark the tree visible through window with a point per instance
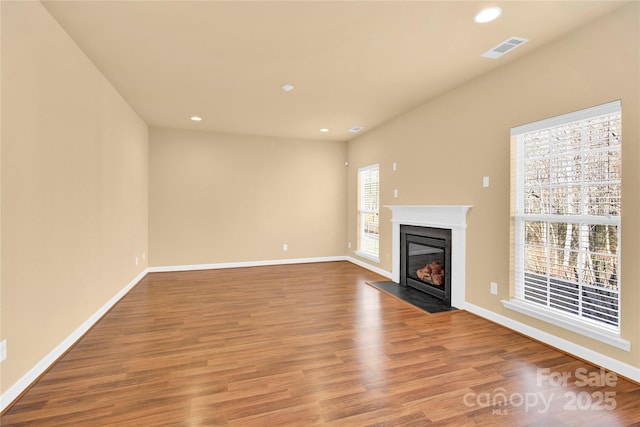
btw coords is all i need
(567, 214)
(368, 211)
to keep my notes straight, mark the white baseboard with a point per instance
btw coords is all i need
(598, 359)
(363, 264)
(23, 383)
(32, 375)
(191, 267)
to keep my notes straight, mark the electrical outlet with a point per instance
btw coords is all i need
(395, 166)
(349, 245)
(285, 247)
(144, 256)
(3, 350)
(485, 181)
(494, 288)
(395, 193)
(136, 260)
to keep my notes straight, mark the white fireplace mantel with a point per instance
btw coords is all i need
(439, 216)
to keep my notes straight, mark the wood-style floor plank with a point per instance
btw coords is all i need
(307, 344)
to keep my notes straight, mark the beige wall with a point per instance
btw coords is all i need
(445, 147)
(74, 188)
(217, 198)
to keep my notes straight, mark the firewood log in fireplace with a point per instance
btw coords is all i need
(433, 272)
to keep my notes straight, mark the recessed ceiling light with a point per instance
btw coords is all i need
(196, 118)
(356, 129)
(287, 88)
(325, 130)
(487, 15)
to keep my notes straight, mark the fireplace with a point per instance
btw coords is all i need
(452, 218)
(425, 260)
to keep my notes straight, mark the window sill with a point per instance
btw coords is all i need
(368, 256)
(590, 330)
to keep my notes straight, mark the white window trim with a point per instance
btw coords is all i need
(580, 326)
(608, 108)
(592, 329)
(367, 255)
(359, 252)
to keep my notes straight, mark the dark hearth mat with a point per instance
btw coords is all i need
(420, 299)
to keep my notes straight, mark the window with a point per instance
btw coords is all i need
(567, 204)
(368, 212)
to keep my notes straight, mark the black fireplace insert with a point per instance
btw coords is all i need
(425, 260)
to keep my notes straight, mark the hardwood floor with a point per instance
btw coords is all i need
(309, 344)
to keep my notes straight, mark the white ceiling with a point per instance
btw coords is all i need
(353, 63)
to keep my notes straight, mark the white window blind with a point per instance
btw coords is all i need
(567, 214)
(368, 211)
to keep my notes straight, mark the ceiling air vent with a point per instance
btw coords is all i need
(506, 46)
